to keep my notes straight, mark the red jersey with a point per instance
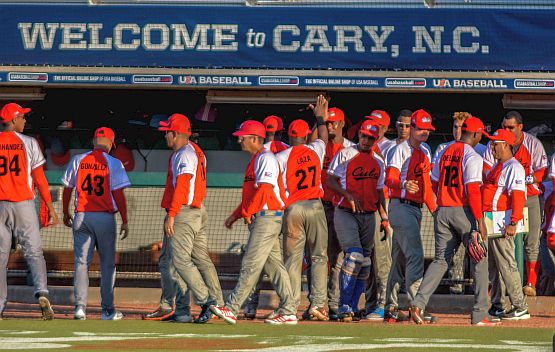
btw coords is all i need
(189, 160)
(500, 182)
(531, 155)
(19, 156)
(331, 150)
(276, 146)
(410, 163)
(301, 168)
(94, 175)
(360, 174)
(456, 166)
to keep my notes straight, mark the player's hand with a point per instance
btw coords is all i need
(124, 231)
(168, 226)
(510, 230)
(483, 230)
(385, 227)
(321, 107)
(356, 207)
(53, 219)
(248, 220)
(68, 220)
(228, 223)
(411, 186)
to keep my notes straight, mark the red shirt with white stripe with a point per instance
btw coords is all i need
(189, 160)
(301, 170)
(410, 163)
(19, 156)
(456, 166)
(276, 146)
(360, 174)
(331, 150)
(499, 184)
(531, 155)
(94, 175)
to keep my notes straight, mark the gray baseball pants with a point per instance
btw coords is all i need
(304, 222)
(173, 292)
(335, 258)
(190, 259)
(21, 220)
(504, 274)
(453, 225)
(532, 238)
(407, 252)
(94, 230)
(376, 288)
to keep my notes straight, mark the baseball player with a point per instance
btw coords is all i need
(261, 207)
(547, 241)
(457, 176)
(408, 179)
(403, 129)
(186, 219)
(99, 180)
(504, 189)
(356, 174)
(335, 123)
(304, 220)
(274, 130)
(529, 151)
(21, 165)
(458, 120)
(381, 254)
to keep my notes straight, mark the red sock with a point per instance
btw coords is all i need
(532, 272)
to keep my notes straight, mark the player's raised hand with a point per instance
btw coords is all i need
(321, 107)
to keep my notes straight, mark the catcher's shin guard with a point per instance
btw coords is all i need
(348, 276)
(360, 284)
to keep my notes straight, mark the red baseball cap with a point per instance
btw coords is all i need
(298, 129)
(380, 117)
(12, 110)
(178, 123)
(105, 132)
(503, 135)
(251, 128)
(422, 120)
(551, 241)
(335, 114)
(369, 128)
(474, 124)
(273, 123)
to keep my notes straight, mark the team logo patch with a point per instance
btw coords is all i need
(268, 174)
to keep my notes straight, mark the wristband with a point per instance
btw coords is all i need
(320, 121)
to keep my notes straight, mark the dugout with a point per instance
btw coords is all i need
(80, 66)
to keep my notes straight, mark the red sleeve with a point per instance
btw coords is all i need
(181, 194)
(540, 174)
(475, 199)
(238, 212)
(42, 184)
(119, 198)
(393, 178)
(66, 197)
(485, 169)
(252, 205)
(552, 196)
(518, 200)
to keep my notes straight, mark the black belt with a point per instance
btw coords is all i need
(350, 210)
(325, 202)
(410, 202)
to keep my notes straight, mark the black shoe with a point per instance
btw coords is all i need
(496, 311)
(205, 315)
(306, 315)
(394, 315)
(159, 314)
(516, 314)
(333, 314)
(430, 319)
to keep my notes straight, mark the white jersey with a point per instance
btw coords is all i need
(185, 162)
(385, 145)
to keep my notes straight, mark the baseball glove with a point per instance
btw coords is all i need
(476, 248)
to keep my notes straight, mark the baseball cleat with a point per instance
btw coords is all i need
(79, 313)
(394, 315)
(516, 314)
(46, 308)
(375, 314)
(111, 315)
(280, 319)
(416, 315)
(224, 313)
(345, 314)
(185, 318)
(318, 313)
(333, 315)
(159, 314)
(496, 311)
(529, 290)
(205, 315)
(249, 312)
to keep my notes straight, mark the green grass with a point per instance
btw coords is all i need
(133, 335)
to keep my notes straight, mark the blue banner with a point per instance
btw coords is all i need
(277, 38)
